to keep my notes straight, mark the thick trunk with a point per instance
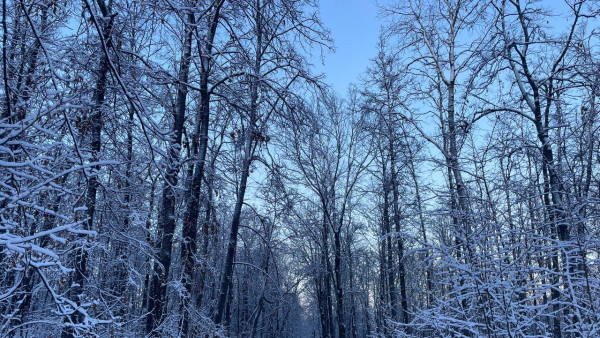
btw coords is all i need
(192, 212)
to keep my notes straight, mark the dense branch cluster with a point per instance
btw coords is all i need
(175, 168)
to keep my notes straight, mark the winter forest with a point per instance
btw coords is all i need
(179, 168)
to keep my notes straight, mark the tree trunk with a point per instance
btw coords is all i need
(157, 298)
(206, 234)
(339, 292)
(7, 104)
(227, 279)
(192, 210)
(399, 240)
(249, 147)
(389, 253)
(419, 203)
(121, 287)
(82, 253)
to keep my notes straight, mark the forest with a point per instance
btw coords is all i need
(179, 168)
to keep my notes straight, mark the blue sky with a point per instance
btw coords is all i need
(355, 29)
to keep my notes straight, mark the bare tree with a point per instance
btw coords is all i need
(272, 66)
(166, 223)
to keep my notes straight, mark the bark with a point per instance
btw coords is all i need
(540, 104)
(192, 210)
(27, 68)
(157, 298)
(22, 96)
(227, 279)
(146, 287)
(257, 315)
(351, 286)
(461, 191)
(399, 240)
(382, 288)
(28, 279)
(226, 286)
(121, 287)
(324, 285)
(206, 234)
(7, 104)
(414, 177)
(339, 292)
(81, 259)
(540, 97)
(389, 252)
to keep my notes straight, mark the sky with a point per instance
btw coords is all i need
(354, 28)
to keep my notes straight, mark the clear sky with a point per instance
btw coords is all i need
(354, 28)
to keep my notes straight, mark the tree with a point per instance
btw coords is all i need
(271, 67)
(331, 160)
(176, 168)
(199, 148)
